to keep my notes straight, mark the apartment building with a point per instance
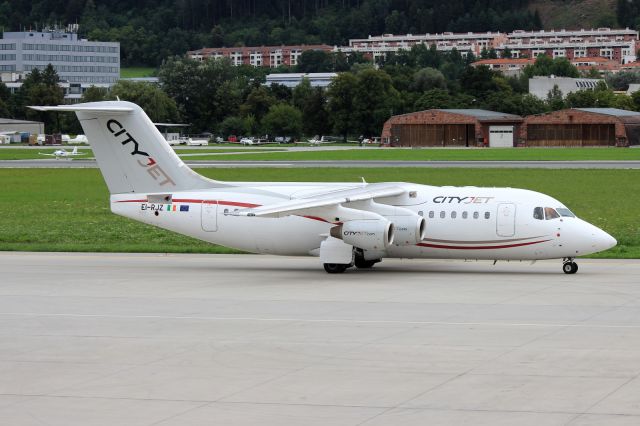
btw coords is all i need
(262, 56)
(618, 45)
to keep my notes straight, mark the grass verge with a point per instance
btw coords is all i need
(472, 154)
(137, 72)
(68, 209)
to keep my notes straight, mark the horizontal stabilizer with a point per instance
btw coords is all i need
(84, 108)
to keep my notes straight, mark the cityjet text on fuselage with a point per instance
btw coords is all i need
(446, 199)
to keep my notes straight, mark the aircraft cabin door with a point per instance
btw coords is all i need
(506, 220)
(209, 215)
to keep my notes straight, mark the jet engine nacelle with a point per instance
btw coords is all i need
(375, 234)
(408, 230)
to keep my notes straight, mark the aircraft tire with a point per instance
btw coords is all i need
(335, 268)
(570, 267)
(365, 264)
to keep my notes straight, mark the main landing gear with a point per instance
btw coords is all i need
(569, 266)
(358, 261)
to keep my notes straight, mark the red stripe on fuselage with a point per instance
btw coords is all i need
(194, 201)
(449, 247)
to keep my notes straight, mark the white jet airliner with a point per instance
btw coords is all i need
(345, 224)
(58, 153)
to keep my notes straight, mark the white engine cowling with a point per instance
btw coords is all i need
(408, 230)
(374, 234)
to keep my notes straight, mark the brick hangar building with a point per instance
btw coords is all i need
(576, 127)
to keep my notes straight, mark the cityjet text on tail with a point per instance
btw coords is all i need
(344, 224)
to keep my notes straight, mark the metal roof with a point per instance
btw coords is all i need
(610, 111)
(12, 121)
(483, 114)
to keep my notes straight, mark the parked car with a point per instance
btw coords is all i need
(233, 138)
(283, 139)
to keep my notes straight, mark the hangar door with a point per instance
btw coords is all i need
(571, 135)
(433, 135)
(501, 136)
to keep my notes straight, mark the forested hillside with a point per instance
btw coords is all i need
(151, 30)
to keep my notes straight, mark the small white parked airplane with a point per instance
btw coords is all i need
(62, 153)
(345, 224)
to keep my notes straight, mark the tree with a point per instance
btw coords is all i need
(232, 125)
(206, 92)
(158, 106)
(544, 65)
(340, 103)
(434, 99)
(427, 79)
(555, 99)
(40, 88)
(374, 101)
(5, 96)
(314, 61)
(95, 94)
(315, 118)
(257, 103)
(478, 81)
(283, 119)
(301, 93)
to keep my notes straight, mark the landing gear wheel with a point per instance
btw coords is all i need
(365, 264)
(335, 268)
(570, 267)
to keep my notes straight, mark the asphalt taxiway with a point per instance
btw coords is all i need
(142, 339)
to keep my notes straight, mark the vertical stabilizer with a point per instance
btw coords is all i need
(132, 154)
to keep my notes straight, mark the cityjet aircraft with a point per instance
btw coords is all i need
(344, 224)
(58, 153)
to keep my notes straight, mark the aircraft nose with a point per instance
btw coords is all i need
(607, 241)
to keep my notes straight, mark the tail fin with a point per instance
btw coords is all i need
(131, 153)
(75, 150)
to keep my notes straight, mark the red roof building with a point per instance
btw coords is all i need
(263, 56)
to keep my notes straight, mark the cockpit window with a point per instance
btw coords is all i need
(550, 213)
(538, 213)
(564, 212)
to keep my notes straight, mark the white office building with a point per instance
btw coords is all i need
(78, 62)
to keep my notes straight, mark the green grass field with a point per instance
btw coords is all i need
(273, 153)
(68, 209)
(32, 154)
(137, 72)
(481, 154)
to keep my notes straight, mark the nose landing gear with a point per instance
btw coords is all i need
(569, 266)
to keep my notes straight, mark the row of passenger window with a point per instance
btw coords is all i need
(454, 214)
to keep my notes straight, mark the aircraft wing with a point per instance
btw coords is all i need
(308, 205)
(48, 155)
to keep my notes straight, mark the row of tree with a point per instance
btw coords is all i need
(218, 97)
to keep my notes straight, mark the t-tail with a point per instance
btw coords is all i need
(132, 154)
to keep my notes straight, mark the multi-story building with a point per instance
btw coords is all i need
(77, 61)
(615, 44)
(514, 66)
(375, 47)
(263, 56)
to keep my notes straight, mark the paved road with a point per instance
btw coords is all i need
(65, 163)
(106, 339)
